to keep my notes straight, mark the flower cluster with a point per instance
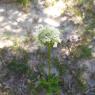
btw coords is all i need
(49, 36)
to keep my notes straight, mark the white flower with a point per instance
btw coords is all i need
(49, 36)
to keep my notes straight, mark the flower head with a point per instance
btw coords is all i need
(49, 36)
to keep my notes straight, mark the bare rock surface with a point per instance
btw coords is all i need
(14, 21)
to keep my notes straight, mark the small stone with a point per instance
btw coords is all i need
(5, 43)
(93, 54)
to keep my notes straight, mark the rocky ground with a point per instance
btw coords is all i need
(16, 26)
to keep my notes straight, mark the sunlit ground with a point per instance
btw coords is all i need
(19, 31)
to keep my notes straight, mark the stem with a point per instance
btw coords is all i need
(49, 59)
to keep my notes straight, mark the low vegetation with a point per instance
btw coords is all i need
(56, 67)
